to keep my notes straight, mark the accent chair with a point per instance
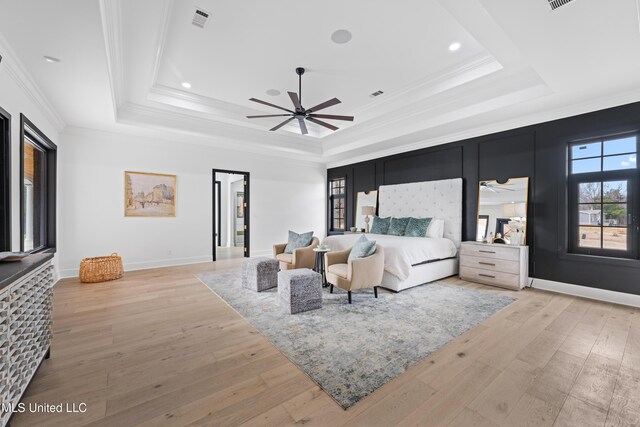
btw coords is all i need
(354, 274)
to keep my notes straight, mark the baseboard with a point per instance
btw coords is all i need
(587, 292)
(132, 266)
(145, 265)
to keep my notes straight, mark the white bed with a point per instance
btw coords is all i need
(412, 261)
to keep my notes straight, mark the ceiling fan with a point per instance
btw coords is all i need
(484, 185)
(300, 113)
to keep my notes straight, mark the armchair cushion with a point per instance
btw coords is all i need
(297, 241)
(288, 258)
(339, 270)
(362, 248)
(380, 225)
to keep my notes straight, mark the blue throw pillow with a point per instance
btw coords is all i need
(397, 226)
(363, 248)
(380, 225)
(417, 227)
(298, 241)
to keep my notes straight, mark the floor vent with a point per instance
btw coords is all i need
(557, 3)
(376, 93)
(200, 18)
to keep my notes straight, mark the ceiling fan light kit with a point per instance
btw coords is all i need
(301, 114)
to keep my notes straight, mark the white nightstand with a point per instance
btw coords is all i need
(495, 264)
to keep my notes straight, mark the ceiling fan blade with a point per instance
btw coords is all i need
(332, 117)
(282, 124)
(325, 104)
(303, 126)
(268, 115)
(321, 123)
(269, 104)
(295, 100)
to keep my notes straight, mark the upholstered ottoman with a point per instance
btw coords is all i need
(259, 274)
(299, 290)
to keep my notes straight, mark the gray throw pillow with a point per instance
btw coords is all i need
(397, 226)
(298, 241)
(380, 225)
(363, 248)
(417, 227)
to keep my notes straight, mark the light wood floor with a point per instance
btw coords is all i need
(158, 348)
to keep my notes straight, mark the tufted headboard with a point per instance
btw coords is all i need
(436, 199)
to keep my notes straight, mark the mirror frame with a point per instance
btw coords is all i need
(526, 202)
(357, 211)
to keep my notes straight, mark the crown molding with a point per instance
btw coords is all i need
(187, 123)
(152, 136)
(476, 97)
(111, 17)
(472, 69)
(218, 134)
(588, 106)
(167, 7)
(19, 74)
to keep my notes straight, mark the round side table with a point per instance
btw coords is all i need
(319, 267)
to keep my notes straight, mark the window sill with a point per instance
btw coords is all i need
(599, 259)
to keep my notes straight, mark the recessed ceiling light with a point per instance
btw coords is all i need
(51, 59)
(273, 92)
(341, 36)
(186, 85)
(454, 46)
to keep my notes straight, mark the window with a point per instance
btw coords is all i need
(38, 179)
(603, 177)
(337, 197)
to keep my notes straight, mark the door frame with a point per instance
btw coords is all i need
(247, 211)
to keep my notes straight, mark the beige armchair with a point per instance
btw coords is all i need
(355, 274)
(300, 258)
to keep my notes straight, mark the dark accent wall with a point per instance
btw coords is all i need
(539, 152)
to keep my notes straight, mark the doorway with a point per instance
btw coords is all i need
(231, 233)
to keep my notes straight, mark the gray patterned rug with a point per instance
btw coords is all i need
(351, 350)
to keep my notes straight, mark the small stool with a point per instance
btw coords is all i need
(259, 274)
(299, 290)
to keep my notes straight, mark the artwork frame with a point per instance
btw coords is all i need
(149, 194)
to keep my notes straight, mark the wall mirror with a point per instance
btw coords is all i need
(502, 210)
(365, 199)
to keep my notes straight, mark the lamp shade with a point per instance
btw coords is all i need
(368, 210)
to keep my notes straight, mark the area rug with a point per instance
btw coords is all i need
(351, 350)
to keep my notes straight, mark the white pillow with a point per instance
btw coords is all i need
(436, 228)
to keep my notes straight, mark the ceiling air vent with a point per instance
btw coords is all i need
(200, 18)
(376, 93)
(554, 4)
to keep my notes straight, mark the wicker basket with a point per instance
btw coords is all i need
(101, 269)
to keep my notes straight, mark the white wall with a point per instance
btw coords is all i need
(16, 99)
(285, 194)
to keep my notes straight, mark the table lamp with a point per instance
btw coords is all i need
(366, 211)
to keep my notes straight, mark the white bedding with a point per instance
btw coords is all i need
(400, 253)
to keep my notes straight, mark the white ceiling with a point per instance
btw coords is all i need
(123, 63)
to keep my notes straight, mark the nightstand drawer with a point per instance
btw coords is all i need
(504, 266)
(495, 278)
(493, 251)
